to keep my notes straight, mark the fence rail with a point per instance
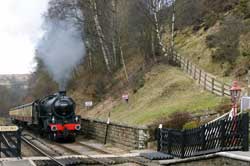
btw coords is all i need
(221, 135)
(206, 80)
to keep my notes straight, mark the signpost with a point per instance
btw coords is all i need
(88, 104)
(8, 128)
(10, 141)
(125, 97)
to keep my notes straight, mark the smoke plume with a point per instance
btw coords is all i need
(61, 50)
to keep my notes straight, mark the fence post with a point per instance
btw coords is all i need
(212, 85)
(222, 124)
(203, 137)
(200, 76)
(181, 62)
(245, 128)
(223, 89)
(194, 72)
(183, 144)
(205, 81)
(158, 134)
(176, 60)
(191, 68)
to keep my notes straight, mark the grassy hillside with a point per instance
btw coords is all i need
(167, 89)
(212, 34)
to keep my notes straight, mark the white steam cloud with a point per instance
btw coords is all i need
(61, 50)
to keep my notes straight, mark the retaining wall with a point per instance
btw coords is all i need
(129, 137)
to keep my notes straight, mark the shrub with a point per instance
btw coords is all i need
(243, 9)
(210, 19)
(100, 90)
(137, 80)
(176, 120)
(191, 125)
(226, 41)
(224, 107)
(211, 41)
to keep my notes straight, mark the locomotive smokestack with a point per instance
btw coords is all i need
(62, 92)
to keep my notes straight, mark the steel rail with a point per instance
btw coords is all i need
(41, 151)
(88, 156)
(43, 143)
(105, 152)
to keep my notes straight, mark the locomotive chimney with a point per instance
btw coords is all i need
(62, 92)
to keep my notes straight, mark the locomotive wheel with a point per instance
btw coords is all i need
(52, 136)
(72, 138)
(42, 134)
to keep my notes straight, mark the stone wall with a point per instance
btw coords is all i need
(129, 137)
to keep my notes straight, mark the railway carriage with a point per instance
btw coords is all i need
(23, 114)
(52, 115)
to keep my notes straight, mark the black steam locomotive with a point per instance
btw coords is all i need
(53, 115)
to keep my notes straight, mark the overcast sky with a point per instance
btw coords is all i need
(20, 29)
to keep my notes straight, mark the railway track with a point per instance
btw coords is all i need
(80, 158)
(44, 145)
(109, 161)
(38, 149)
(61, 162)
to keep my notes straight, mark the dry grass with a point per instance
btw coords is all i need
(193, 46)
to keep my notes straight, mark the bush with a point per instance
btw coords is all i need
(226, 41)
(137, 81)
(224, 107)
(211, 41)
(176, 120)
(210, 19)
(243, 9)
(191, 125)
(100, 90)
(190, 13)
(219, 6)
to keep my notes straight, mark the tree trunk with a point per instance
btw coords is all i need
(123, 61)
(157, 29)
(173, 26)
(114, 26)
(153, 46)
(100, 35)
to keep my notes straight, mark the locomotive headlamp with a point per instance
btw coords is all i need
(76, 118)
(53, 119)
(78, 127)
(53, 128)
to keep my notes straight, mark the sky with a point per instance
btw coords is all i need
(20, 31)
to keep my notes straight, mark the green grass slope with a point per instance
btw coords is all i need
(167, 89)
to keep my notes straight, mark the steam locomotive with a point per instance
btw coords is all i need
(53, 115)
